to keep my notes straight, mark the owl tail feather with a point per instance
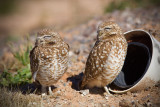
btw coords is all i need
(82, 85)
(34, 76)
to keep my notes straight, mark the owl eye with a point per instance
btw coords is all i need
(107, 28)
(47, 37)
(51, 43)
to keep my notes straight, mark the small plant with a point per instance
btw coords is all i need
(22, 74)
(116, 6)
(7, 7)
(122, 4)
(23, 56)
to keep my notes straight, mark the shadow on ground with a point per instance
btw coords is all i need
(34, 88)
(76, 81)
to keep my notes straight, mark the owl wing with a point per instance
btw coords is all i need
(34, 62)
(67, 46)
(94, 66)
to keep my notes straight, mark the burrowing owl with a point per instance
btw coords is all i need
(48, 58)
(107, 57)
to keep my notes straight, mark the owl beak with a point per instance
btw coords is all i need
(38, 41)
(100, 32)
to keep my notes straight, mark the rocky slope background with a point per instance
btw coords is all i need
(16, 76)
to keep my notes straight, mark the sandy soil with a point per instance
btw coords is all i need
(81, 40)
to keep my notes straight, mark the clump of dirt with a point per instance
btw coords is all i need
(81, 39)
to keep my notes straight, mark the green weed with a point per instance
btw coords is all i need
(7, 6)
(123, 4)
(23, 73)
(23, 57)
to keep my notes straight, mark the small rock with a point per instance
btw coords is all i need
(149, 104)
(58, 92)
(34, 103)
(106, 97)
(61, 81)
(64, 84)
(129, 93)
(135, 95)
(71, 53)
(84, 92)
(77, 52)
(44, 96)
(125, 103)
(147, 88)
(103, 105)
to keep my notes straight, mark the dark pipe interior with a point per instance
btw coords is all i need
(137, 61)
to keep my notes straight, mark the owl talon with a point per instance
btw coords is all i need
(43, 94)
(34, 76)
(107, 91)
(50, 91)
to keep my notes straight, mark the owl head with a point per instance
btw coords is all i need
(108, 29)
(47, 38)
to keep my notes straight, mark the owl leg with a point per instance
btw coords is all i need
(34, 76)
(43, 90)
(50, 91)
(106, 89)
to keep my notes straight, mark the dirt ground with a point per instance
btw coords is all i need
(81, 40)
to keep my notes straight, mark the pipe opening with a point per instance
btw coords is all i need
(137, 61)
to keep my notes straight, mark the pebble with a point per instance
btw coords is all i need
(149, 104)
(58, 92)
(84, 92)
(135, 95)
(125, 103)
(64, 84)
(129, 93)
(77, 52)
(106, 97)
(71, 53)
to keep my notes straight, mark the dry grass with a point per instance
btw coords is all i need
(17, 99)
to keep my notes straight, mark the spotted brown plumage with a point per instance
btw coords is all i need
(107, 57)
(48, 58)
